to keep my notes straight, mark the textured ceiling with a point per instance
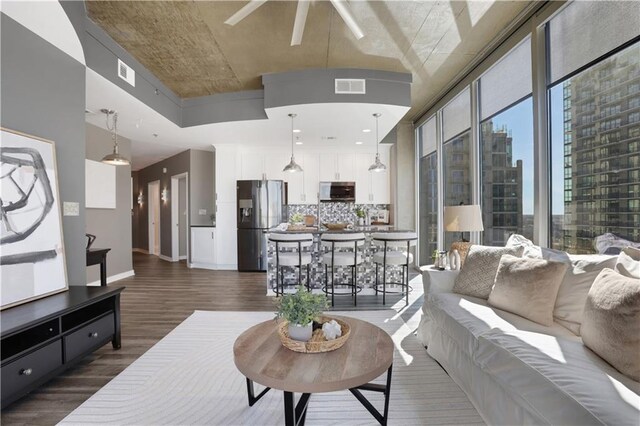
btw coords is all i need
(190, 49)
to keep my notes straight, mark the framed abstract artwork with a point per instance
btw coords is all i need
(32, 258)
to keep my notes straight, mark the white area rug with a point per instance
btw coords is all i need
(189, 378)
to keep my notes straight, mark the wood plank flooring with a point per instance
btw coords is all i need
(156, 300)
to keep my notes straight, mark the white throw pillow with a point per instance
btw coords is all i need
(628, 262)
(479, 271)
(611, 323)
(527, 287)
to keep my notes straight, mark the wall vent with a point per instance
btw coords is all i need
(351, 86)
(126, 73)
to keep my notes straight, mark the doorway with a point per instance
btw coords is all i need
(179, 217)
(154, 217)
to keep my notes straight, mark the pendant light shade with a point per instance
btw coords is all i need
(292, 167)
(377, 165)
(115, 159)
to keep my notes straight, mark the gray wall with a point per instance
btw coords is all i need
(403, 177)
(43, 94)
(112, 227)
(183, 211)
(201, 188)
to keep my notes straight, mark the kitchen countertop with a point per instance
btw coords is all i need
(354, 229)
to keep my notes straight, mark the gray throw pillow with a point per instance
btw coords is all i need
(611, 321)
(528, 287)
(479, 271)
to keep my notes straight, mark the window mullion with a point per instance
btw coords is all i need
(476, 181)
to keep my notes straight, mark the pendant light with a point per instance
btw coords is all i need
(292, 167)
(377, 166)
(115, 159)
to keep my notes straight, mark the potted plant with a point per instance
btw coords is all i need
(296, 219)
(300, 309)
(360, 214)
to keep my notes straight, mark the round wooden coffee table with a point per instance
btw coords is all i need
(366, 355)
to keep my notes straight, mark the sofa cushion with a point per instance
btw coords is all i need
(560, 379)
(479, 271)
(527, 287)
(583, 270)
(611, 322)
(628, 262)
(464, 318)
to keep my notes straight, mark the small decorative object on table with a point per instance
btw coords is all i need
(335, 226)
(90, 239)
(296, 219)
(454, 260)
(442, 260)
(300, 309)
(318, 342)
(360, 214)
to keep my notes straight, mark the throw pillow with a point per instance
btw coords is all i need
(479, 271)
(581, 273)
(527, 287)
(611, 322)
(628, 263)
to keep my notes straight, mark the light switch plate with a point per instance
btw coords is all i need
(202, 212)
(70, 208)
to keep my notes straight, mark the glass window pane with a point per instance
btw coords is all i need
(508, 81)
(506, 144)
(595, 153)
(428, 207)
(457, 176)
(456, 115)
(586, 30)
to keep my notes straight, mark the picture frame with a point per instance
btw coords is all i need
(32, 255)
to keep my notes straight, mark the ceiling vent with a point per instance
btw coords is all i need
(351, 86)
(126, 73)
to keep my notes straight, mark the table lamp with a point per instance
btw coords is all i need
(462, 219)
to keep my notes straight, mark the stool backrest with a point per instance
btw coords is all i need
(291, 240)
(347, 240)
(395, 239)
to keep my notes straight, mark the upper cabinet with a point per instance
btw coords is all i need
(337, 167)
(372, 187)
(260, 165)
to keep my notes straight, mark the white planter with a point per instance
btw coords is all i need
(301, 333)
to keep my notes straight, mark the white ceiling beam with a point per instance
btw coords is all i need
(343, 9)
(298, 24)
(247, 10)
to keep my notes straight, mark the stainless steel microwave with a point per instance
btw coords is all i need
(338, 191)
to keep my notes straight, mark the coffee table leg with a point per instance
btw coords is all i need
(295, 415)
(381, 418)
(250, 392)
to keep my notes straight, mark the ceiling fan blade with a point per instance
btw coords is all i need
(298, 24)
(343, 9)
(245, 11)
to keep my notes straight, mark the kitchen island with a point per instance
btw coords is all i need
(366, 270)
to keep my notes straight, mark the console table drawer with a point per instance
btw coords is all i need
(24, 371)
(89, 337)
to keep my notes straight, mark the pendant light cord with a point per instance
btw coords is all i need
(113, 129)
(377, 139)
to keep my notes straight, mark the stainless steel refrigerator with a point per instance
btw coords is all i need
(261, 205)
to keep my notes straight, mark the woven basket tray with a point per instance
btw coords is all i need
(317, 343)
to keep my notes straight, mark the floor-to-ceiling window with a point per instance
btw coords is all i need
(428, 184)
(457, 155)
(595, 132)
(506, 147)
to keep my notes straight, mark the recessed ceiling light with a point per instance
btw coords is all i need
(296, 130)
(359, 143)
(366, 130)
(298, 143)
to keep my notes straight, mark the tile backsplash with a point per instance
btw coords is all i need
(334, 212)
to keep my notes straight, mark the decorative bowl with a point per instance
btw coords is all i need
(317, 343)
(335, 226)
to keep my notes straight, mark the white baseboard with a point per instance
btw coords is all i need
(167, 258)
(212, 266)
(139, 250)
(113, 278)
(182, 257)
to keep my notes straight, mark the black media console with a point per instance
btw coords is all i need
(42, 338)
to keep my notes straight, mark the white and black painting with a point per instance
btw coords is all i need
(32, 260)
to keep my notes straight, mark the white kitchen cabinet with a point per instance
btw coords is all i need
(337, 167)
(252, 166)
(226, 236)
(260, 165)
(372, 187)
(226, 174)
(274, 162)
(295, 187)
(380, 182)
(311, 178)
(203, 247)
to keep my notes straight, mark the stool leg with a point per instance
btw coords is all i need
(384, 284)
(308, 288)
(299, 274)
(354, 274)
(333, 290)
(375, 287)
(407, 287)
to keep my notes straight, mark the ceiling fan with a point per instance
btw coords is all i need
(341, 7)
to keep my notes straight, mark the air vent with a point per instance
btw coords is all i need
(126, 73)
(351, 86)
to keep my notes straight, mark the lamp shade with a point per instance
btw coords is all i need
(463, 218)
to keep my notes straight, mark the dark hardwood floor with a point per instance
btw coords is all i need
(156, 300)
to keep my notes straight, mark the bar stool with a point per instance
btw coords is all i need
(290, 252)
(395, 251)
(343, 251)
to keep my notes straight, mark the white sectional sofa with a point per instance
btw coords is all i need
(516, 371)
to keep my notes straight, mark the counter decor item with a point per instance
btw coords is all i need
(442, 260)
(335, 226)
(434, 257)
(300, 309)
(360, 214)
(454, 260)
(296, 219)
(318, 342)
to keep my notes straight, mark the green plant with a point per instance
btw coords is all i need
(434, 255)
(360, 212)
(301, 307)
(296, 218)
